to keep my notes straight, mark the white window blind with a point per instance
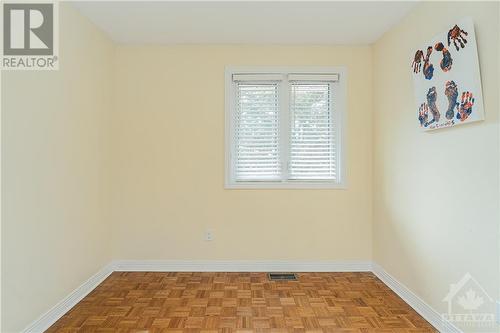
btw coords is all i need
(257, 132)
(312, 143)
(285, 129)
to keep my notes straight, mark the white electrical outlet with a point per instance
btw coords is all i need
(209, 235)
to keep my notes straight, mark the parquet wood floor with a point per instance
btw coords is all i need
(241, 302)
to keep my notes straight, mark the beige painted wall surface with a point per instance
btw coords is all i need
(436, 200)
(54, 149)
(168, 155)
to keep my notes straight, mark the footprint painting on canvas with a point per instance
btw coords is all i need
(447, 82)
(451, 93)
(428, 66)
(447, 60)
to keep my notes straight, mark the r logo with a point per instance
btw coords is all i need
(28, 29)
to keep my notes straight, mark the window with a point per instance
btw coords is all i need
(284, 128)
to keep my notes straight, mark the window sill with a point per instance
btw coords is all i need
(297, 185)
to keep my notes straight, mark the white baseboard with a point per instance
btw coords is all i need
(425, 310)
(428, 313)
(54, 314)
(240, 266)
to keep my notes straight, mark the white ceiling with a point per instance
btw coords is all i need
(297, 22)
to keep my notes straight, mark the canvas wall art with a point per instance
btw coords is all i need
(446, 79)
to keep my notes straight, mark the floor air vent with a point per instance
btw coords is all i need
(282, 277)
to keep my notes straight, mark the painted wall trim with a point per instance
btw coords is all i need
(425, 310)
(241, 266)
(51, 316)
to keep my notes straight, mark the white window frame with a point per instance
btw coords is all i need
(339, 119)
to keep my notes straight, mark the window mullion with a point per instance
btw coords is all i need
(284, 128)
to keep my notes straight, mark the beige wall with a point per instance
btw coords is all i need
(55, 234)
(436, 199)
(168, 155)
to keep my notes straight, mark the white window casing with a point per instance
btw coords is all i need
(285, 127)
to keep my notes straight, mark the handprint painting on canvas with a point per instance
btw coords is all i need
(446, 78)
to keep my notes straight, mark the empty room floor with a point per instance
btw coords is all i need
(241, 302)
